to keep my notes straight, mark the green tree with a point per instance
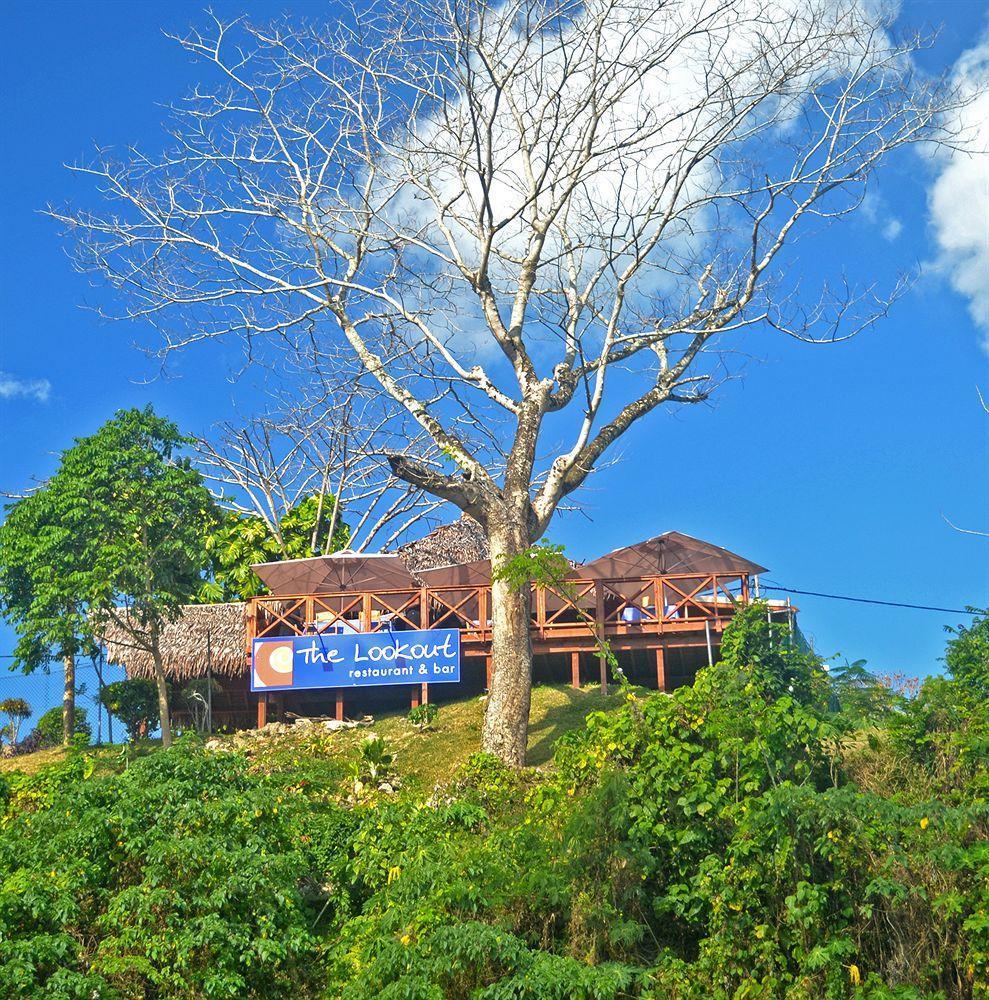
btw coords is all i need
(967, 653)
(143, 540)
(241, 540)
(40, 555)
(49, 725)
(135, 702)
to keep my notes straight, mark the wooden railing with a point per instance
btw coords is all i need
(612, 607)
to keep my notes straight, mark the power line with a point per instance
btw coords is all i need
(869, 600)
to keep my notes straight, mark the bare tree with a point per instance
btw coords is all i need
(530, 224)
(331, 450)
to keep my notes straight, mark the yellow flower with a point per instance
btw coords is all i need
(854, 975)
(924, 823)
(405, 939)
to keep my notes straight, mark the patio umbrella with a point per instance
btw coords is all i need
(670, 553)
(472, 574)
(340, 573)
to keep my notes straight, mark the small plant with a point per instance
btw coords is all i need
(423, 716)
(16, 710)
(373, 765)
(196, 697)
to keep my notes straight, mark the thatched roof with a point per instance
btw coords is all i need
(206, 636)
(461, 541)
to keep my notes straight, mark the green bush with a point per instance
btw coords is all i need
(734, 840)
(177, 878)
(49, 727)
(135, 702)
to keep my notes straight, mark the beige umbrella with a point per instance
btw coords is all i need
(671, 553)
(472, 574)
(341, 572)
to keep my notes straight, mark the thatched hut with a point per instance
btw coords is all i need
(461, 541)
(206, 638)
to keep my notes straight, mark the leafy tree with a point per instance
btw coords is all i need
(785, 666)
(240, 540)
(859, 694)
(141, 545)
(40, 555)
(135, 702)
(48, 731)
(16, 710)
(967, 655)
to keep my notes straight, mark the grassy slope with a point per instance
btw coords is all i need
(426, 758)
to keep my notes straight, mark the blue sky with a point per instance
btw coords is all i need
(833, 466)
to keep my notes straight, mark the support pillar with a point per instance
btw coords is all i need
(575, 670)
(661, 683)
(339, 712)
(487, 673)
(599, 627)
(415, 695)
(262, 710)
(425, 694)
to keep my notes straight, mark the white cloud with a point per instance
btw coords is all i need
(892, 229)
(14, 388)
(959, 199)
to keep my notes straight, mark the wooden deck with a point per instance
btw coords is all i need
(650, 613)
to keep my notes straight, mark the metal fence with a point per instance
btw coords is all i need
(42, 690)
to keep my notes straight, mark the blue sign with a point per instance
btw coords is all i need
(362, 659)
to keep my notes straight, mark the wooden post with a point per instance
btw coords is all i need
(745, 590)
(339, 712)
(262, 710)
(599, 628)
(415, 695)
(366, 613)
(661, 684)
(487, 672)
(423, 609)
(425, 694)
(575, 670)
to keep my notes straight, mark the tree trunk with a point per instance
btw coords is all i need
(69, 700)
(163, 710)
(506, 719)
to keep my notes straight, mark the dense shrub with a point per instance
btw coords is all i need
(737, 839)
(177, 878)
(48, 731)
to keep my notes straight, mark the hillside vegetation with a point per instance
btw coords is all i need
(765, 833)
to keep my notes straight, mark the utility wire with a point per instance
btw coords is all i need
(868, 600)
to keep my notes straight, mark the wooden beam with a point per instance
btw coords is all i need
(575, 670)
(661, 683)
(599, 627)
(415, 695)
(339, 712)
(487, 672)
(425, 694)
(262, 710)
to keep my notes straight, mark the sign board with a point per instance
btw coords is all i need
(363, 659)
